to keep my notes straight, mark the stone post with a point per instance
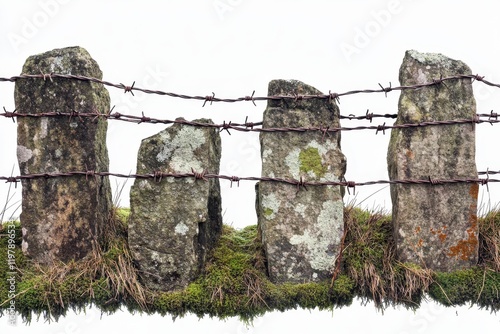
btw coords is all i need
(174, 222)
(435, 225)
(62, 217)
(301, 230)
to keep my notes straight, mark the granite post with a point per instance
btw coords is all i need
(435, 226)
(62, 217)
(301, 230)
(174, 222)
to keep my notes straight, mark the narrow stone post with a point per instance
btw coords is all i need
(435, 225)
(174, 222)
(301, 229)
(62, 217)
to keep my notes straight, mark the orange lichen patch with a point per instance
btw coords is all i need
(440, 233)
(410, 154)
(465, 249)
(474, 190)
(473, 216)
(420, 242)
(418, 229)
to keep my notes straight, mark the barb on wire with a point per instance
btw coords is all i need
(330, 96)
(128, 89)
(250, 98)
(200, 176)
(386, 89)
(493, 115)
(9, 114)
(251, 124)
(209, 98)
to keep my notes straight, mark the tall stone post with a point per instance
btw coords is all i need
(62, 217)
(301, 230)
(174, 222)
(434, 225)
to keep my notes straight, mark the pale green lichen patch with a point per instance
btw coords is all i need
(266, 153)
(271, 205)
(268, 212)
(300, 209)
(310, 162)
(181, 228)
(323, 239)
(23, 153)
(313, 161)
(180, 150)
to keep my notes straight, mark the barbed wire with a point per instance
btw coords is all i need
(158, 176)
(109, 115)
(211, 98)
(252, 126)
(248, 126)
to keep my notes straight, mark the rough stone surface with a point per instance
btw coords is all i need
(301, 230)
(61, 217)
(435, 225)
(175, 222)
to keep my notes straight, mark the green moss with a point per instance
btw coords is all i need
(123, 214)
(310, 161)
(478, 285)
(234, 281)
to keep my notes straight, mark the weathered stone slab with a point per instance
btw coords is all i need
(435, 225)
(61, 217)
(175, 222)
(301, 230)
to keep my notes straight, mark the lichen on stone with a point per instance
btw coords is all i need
(320, 249)
(271, 205)
(310, 162)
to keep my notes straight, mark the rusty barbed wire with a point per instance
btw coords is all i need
(251, 126)
(204, 175)
(368, 115)
(212, 98)
(248, 126)
(488, 172)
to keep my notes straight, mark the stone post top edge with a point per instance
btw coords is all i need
(197, 120)
(430, 57)
(203, 120)
(290, 87)
(55, 61)
(62, 51)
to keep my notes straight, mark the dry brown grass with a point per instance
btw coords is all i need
(489, 240)
(255, 288)
(110, 261)
(370, 260)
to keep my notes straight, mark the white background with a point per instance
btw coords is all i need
(232, 47)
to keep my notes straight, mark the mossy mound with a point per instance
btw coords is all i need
(234, 282)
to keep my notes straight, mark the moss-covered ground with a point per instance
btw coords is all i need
(234, 282)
